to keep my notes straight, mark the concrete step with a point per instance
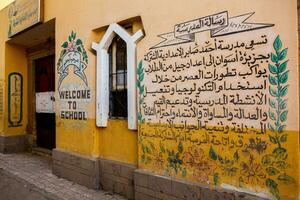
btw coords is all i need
(41, 152)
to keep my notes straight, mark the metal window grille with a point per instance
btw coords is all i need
(118, 79)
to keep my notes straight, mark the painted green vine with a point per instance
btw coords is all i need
(141, 88)
(275, 163)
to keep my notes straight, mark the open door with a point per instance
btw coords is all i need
(45, 108)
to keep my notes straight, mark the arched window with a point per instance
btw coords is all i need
(103, 103)
(118, 78)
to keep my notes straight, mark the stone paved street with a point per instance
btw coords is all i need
(26, 176)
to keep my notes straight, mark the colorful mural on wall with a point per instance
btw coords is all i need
(72, 54)
(74, 95)
(213, 108)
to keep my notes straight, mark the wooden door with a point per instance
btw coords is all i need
(45, 107)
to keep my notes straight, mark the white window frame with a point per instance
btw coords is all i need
(102, 76)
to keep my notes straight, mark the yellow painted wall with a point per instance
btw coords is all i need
(13, 59)
(16, 65)
(116, 142)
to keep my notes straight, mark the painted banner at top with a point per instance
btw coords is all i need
(23, 14)
(218, 24)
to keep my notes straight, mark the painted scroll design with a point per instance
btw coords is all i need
(275, 163)
(73, 53)
(218, 24)
(15, 99)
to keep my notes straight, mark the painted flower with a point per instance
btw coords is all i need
(158, 161)
(252, 173)
(71, 46)
(201, 176)
(201, 165)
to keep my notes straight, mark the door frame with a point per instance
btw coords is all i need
(33, 54)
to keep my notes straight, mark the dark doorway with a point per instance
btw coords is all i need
(45, 113)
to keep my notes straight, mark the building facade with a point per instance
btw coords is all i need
(156, 99)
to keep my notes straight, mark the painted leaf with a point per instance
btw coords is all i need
(236, 156)
(70, 38)
(286, 179)
(180, 161)
(284, 77)
(162, 148)
(283, 91)
(141, 63)
(277, 44)
(143, 148)
(281, 128)
(272, 80)
(272, 171)
(148, 150)
(138, 83)
(272, 185)
(283, 54)
(280, 153)
(273, 139)
(140, 67)
(216, 178)
(273, 92)
(151, 145)
(272, 103)
(212, 154)
(267, 160)
(63, 52)
(272, 69)
(141, 77)
(74, 35)
(64, 45)
(184, 172)
(271, 127)
(79, 49)
(180, 147)
(281, 165)
(142, 89)
(282, 67)
(283, 138)
(274, 58)
(141, 101)
(283, 116)
(139, 116)
(283, 104)
(277, 124)
(78, 42)
(272, 115)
